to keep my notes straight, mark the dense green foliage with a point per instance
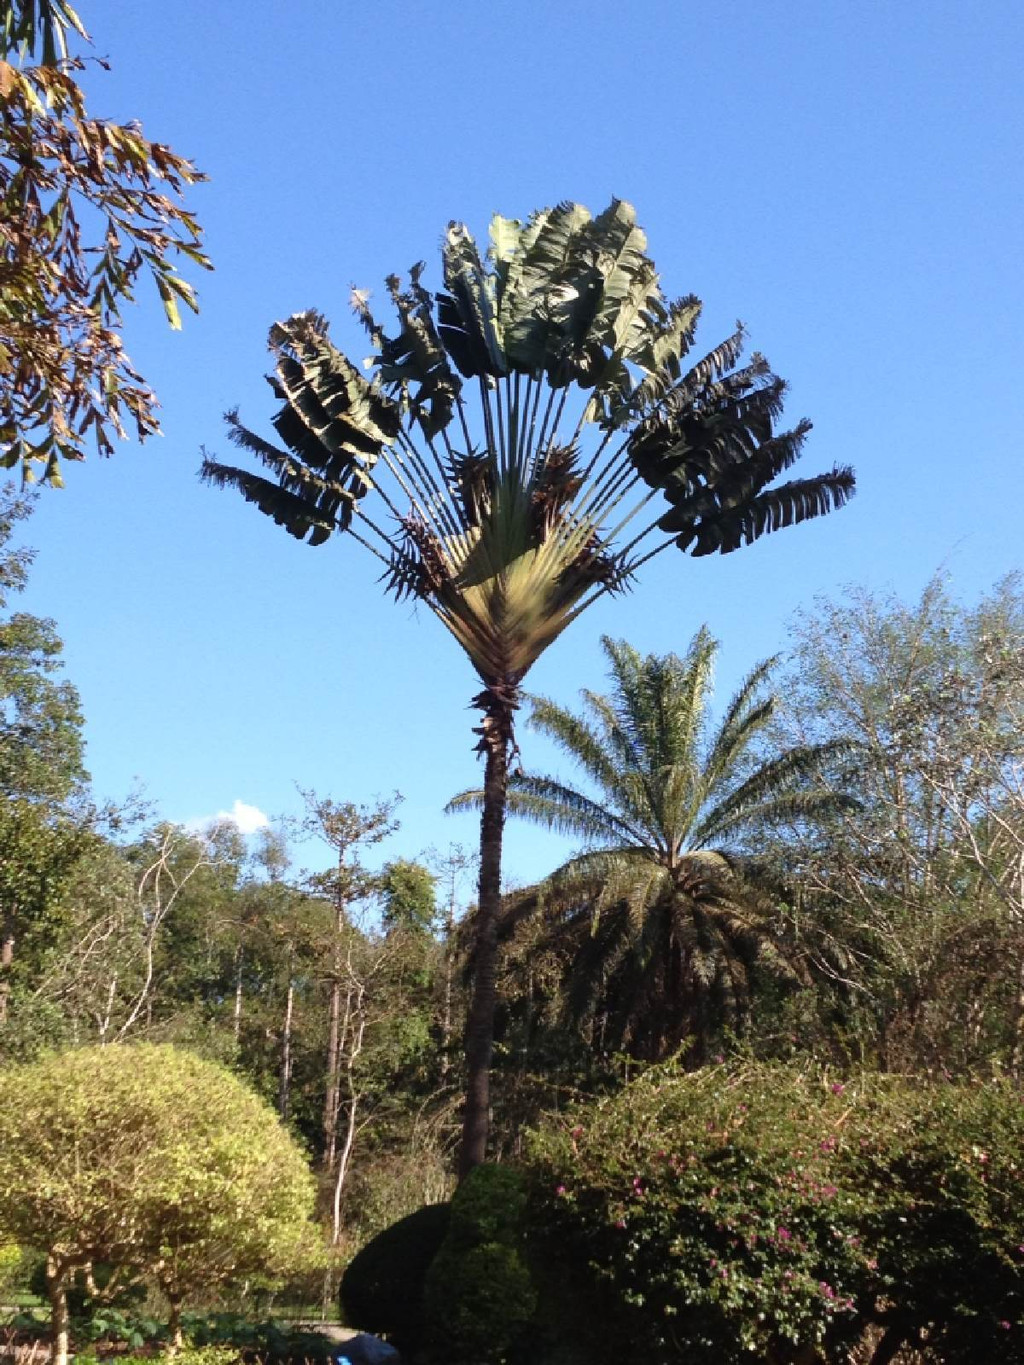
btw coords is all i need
(479, 1297)
(764, 1209)
(888, 936)
(154, 1161)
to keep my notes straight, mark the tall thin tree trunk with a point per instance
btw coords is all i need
(449, 972)
(345, 1155)
(330, 1120)
(175, 1335)
(285, 1087)
(238, 996)
(1017, 1053)
(480, 1025)
(57, 1292)
(6, 963)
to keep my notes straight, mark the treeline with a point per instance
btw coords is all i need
(834, 868)
(835, 865)
(331, 992)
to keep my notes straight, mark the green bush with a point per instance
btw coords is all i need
(186, 1355)
(17, 1265)
(479, 1296)
(219, 1338)
(757, 1212)
(117, 1316)
(383, 1285)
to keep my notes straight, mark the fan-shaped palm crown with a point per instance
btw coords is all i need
(661, 905)
(508, 520)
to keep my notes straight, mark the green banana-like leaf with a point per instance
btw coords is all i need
(466, 314)
(793, 502)
(293, 511)
(539, 281)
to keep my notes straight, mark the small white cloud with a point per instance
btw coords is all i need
(248, 818)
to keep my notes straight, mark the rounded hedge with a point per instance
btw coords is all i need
(383, 1285)
(479, 1297)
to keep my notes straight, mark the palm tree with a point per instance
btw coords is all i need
(658, 913)
(507, 517)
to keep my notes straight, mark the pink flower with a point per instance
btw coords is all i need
(838, 1087)
(620, 1223)
(560, 1191)
(783, 1234)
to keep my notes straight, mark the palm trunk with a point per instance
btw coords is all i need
(497, 734)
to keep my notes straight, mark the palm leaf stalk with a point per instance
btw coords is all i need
(664, 907)
(503, 424)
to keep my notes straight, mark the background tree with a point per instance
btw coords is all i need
(153, 1161)
(451, 867)
(89, 206)
(911, 905)
(509, 525)
(42, 826)
(408, 896)
(662, 917)
(345, 828)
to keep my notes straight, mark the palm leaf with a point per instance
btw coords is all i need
(466, 314)
(291, 510)
(792, 503)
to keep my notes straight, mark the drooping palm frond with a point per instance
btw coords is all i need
(293, 510)
(656, 912)
(788, 505)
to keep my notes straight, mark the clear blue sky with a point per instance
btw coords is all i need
(846, 178)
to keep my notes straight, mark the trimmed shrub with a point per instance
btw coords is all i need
(759, 1212)
(383, 1286)
(480, 1299)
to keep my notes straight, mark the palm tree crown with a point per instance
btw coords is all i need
(507, 521)
(661, 911)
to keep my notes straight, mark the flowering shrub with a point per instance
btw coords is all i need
(759, 1212)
